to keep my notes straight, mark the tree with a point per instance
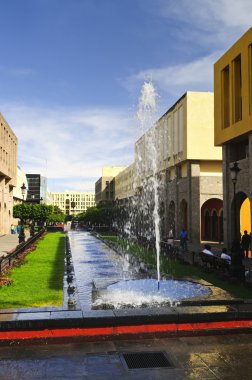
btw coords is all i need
(39, 213)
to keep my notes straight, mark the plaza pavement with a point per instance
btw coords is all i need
(8, 242)
(216, 357)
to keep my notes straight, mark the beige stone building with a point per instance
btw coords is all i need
(8, 173)
(188, 169)
(193, 169)
(124, 183)
(233, 132)
(105, 186)
(72, 202)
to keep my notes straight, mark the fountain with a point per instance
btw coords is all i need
(113, 287)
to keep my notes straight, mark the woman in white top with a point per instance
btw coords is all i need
(225, 256)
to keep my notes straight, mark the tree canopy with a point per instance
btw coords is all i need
(39, 213)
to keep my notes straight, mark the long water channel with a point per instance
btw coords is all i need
(95, 263)
(104, 279)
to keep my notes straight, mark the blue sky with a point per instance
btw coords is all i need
(71, 73)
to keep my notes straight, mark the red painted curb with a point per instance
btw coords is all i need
(120, 331)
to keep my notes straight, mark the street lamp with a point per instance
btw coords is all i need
(237, 255)
(32, 215)
(234, 171)
(23, 192)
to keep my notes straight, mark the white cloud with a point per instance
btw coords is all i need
(209, 24)
(71, 145)
(206, 29)
(196, 75)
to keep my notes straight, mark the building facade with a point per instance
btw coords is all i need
(188, 169)
(233, 132)
(8, 173)
(105, 186)
(37, 188)
(73, 202)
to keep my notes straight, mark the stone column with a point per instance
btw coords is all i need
(194, 201)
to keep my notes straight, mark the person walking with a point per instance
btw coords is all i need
(245, 243)
(183, 239)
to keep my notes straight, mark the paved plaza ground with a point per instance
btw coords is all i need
(9, 241)
(223, 357)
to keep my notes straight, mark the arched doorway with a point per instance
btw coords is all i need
(240, 214)
(215, 226)
(207, 227)
(245, 217)
(212, 220)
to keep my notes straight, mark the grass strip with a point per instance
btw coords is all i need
(178, 269)
(38, 282)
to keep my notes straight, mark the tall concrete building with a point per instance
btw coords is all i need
(233, 132)
(72, 202)
(8, 173)
(37, 188)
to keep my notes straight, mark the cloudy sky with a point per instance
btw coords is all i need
(71, 73)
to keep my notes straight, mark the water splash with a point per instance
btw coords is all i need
(144, 293)
(148, 181)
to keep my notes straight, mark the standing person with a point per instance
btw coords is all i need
(18, 229)
(245, 243)
(21, 236)
(12, 229)
(183, 239)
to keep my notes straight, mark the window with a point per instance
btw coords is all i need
(250, 78)
(225, 97)
(237, 90)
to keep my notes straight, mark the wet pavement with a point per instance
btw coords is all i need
(220, 357)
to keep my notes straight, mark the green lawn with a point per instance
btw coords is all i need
(39, 282)
(178, 269)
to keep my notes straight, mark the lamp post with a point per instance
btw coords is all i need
(32, 215)
(234, 170)
(23, 191)
(236, 247)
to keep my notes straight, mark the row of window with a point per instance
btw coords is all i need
(232, 89)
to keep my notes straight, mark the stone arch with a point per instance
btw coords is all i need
(245, 216)
(236, 206)
(212, 220)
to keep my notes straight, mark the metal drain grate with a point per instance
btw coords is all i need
(135, 360)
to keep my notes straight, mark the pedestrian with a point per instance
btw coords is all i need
(12, 229)
(245, 243)
(21, 236)
(18, 229)
(207, 250)
(183, 239)
(225, 256)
